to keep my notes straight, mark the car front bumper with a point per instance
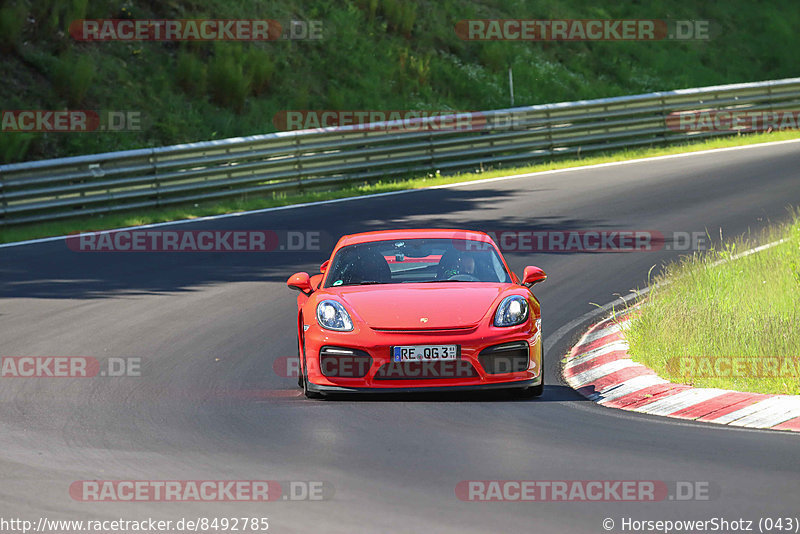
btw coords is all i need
(466, 373)
(316, 388)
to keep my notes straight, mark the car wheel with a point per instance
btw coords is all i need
(299, 367)
(303, 379)
(307, 393)
(530, 392)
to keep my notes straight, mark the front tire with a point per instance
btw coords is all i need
(530, 392)
(299, 366)
(302, 380)
(309, 394)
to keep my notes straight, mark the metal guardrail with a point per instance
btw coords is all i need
(290, 161)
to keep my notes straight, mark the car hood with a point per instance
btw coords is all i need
(422, 306)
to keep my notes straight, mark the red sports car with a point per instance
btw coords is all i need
(418, 310)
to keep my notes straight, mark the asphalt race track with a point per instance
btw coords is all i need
(208, 406)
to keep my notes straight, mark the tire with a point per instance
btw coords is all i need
(299, 367)
(530, 392)
(303, 380)
(307, 393)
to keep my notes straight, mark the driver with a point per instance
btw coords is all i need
(465, 264)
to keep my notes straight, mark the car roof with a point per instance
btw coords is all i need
(418, 233)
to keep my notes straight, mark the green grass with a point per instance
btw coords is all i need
(714, 308)
(252, 202)
(375, 54)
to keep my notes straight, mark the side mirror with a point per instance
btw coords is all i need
(300, 282)
(533, 275)
(324, 266)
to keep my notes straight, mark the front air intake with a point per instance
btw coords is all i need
(506, 358)
(341, 362)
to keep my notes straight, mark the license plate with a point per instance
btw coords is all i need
(424, 353)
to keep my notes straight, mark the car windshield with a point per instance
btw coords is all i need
(416, 260)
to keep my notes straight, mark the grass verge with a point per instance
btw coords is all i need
(253, 202)
(724, 322)
(372, 55)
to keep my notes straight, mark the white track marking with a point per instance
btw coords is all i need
(600, 371)
(637, 383)
(599, 334)
(596, 353)
(679, 401)
(764, 414)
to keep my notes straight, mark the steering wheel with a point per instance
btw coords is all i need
(464, 278)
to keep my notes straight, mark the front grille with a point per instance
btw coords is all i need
(446, 369)
(342, 362)
(506, 358)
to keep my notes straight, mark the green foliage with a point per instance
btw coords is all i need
(371, 8)
(228, 83)
(260, 67)
(496, 56)
(190, 74)
(49, 17)
(720, 304)
(73, 76)
(14, 145)
(375, 54)
(400, 14)
(12, 23)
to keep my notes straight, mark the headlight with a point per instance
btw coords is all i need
(333, 316)
(512, 311)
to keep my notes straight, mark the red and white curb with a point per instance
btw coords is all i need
(600, 368)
